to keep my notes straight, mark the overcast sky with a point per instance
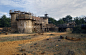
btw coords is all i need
(55, 8)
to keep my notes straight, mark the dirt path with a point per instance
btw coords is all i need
(9, 48)
(11, 35)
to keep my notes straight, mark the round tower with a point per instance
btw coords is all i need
(46, 19)
(13, 21)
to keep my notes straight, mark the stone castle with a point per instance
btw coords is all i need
(25, 22)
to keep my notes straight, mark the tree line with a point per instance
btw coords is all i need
(78, 20)
(5, 21)
(67, 19)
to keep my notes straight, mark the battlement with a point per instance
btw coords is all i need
(19, 12)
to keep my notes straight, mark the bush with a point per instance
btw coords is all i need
(78, 29)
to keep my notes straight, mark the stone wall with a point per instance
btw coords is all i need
(13, 23)
(24, 26)
(46, 20)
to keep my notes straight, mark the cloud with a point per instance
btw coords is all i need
(55, 8)
(61, 8)
(3, 13)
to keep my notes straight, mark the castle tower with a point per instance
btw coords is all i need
(45, 19)
(46, 15)
(13, 21)
(24, 22)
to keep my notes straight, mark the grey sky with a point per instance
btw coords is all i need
(55, 8)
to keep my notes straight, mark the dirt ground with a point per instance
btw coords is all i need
(10, 44)
(56, 46)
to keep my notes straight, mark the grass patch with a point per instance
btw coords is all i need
(3, 39)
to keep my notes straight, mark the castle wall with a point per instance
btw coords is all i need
(23, 22)
(25, 26)
(28, 26)
(24, 16)
(46, 20)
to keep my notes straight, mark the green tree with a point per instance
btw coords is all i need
(76, 20)
(67, 19)
(79, 20)
(0, 22)
(5, 22)
(60, 21)
(52, 20)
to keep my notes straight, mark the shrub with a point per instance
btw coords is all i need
(78, 29)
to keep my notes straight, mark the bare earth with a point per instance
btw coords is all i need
(10, 47)
(54, 45)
